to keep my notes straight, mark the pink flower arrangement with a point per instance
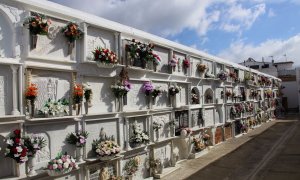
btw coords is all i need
(62, 163)
(15, 147)
(173, 62)
(78, 139)
(157, 59)
(106, 148)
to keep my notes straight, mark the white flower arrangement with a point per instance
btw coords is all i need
(139, 136)
(55, 108)
(106, 148)
(156, 126)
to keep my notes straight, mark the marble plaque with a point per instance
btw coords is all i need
(99, 38)
(103, 99)
(164, 56)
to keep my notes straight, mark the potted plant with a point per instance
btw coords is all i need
(138, 136)
(78, 139)
(38, 24)
(72, 32)
(31, 95)
(106, 149)
(105, 57)
(62, 164)
(34, 144)
(15, 147)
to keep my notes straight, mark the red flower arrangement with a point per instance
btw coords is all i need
(15, 147)
(186, 63)
(37, 24)
(105, 56)
(78, 93)
(72, 32)
(31, 92)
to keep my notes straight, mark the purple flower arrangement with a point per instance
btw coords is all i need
(147, 88)
(223, 76)
(78, 138)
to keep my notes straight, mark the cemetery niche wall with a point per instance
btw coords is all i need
(86, 98)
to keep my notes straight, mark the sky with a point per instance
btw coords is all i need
(231, 29)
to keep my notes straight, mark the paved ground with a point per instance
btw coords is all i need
(271, 151)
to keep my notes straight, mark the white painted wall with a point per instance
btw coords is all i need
(291, 92)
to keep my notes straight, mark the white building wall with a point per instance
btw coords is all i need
(291, 92)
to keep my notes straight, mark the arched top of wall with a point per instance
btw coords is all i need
(9, 19)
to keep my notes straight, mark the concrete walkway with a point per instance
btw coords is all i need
(231, 160)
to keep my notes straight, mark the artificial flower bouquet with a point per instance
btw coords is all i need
(72, 32)
(173, 62)
(121, 89)
(105, 56)
(157, 59)
(106, 149)
(157, 126)
(55, 108)
(174, 89)
(201, 67)
(34, 144)
(147, 88)
(198, 145)
(141, 51)
(228, 94)
(138, 135)
(222, 76)
(77, 93)
(132, 165)
(37, 24)
(78, 139)
(15, 147)
(156, 91)
(186, 63)
(62, 164)
(31, 92)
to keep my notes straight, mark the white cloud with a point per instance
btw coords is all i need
(239, 51)
(167, 18)
(237, 17)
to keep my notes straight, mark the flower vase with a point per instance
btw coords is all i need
(119, 104)
(172, 131)
(31, 164)
(153, 100)
(155, 67)
(34, 38)
(157, 135)
(71, 48)
(175, 102)
(79, 154)
(129, 177)
(32, 107)
(135, 145)
(148, 101)
(86, 107)
(77, 108)
(144, 64)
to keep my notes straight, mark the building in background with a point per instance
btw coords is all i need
(287, 73)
